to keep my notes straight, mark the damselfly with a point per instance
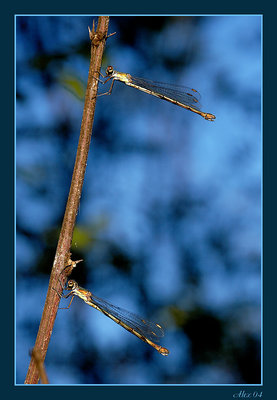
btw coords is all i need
(144, 330)
(180, 95)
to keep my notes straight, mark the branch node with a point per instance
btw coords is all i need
(97, 37)
(71, 265)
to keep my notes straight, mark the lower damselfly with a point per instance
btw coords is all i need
(145, 330)
(180, 95)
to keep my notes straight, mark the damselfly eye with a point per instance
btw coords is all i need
(109, 70)
(70, 284)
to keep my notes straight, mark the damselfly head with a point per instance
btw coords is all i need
(109, 71)
(71, 284)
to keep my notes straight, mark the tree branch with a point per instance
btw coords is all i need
(62, 256)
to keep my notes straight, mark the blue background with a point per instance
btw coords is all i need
(169, 221)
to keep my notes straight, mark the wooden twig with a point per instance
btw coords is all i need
(62, 257)
(40, 366)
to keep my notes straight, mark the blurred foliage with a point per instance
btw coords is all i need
(73, 84)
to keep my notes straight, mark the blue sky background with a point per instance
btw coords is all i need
(169, 224)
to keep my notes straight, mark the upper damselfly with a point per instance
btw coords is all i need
(180, 95)
(145, 330)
